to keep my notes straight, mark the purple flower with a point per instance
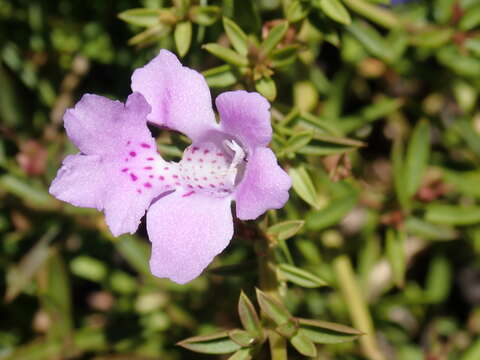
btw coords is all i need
(118, 170)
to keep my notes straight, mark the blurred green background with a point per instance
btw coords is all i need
(376, 117)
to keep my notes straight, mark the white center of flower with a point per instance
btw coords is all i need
(211, 169)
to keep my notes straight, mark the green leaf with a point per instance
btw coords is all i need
(150, 35)
(89, 268)
(273, 308)
(30, 193)
(296, 142)
(226, 54)
(236, 36)
(284, 56)
(335, 11)
(452, 214)
(371, 40)
(470, 18)
(141, 17)
(218, 343)
(300, 277)
(399, 177)
(275, 35)
(135, 251)
(241, 337)
(220, 76)
(297, 10)
(249, 317)
(439, 279)
(242, 354)
(266, 86)
(285, 229)
(432, 37)
(205, 15)
(394, 248)
(183, 37)
(303, 186)
(324, 332)
(302, 343)
(289, 329)
(20, 275)
(332, 214)
(429, 231)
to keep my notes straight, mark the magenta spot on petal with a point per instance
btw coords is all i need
(201, 160)
(161, 178)
(214, 161)
(200, 186)
(166, 168)
(124, 169)
(189, 159)
(148, 168)
(139, 191)
(190, 186)
(146, 146)
(175, 176)
(194, 149)
(177, 183)
(147, 185)
(188, 194)
(222, 184)
(195, 179)
(150, 176)
(212, 186)
(206, 152)
(128, 143)
(219, 154)
(126, 159)
(133, 153)
(205, 178)
(133, 177)
(150, 159)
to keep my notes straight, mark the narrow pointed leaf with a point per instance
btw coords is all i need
(183, 37)
(220, 76)
(241, 337)
(141, 17)
(297, 10)
(303, 186)
(416, 160)
(332, 214)
(205, 15)
(335, 11)
(324, 332)
(302, 343)
(301, 277)
(249, 317)
(297, 142)
(242, 354)
(226, 54)
(219, 343)
(273, 308)
(275, 35)
(236, 36)
(452, 214)
(394, 248)
(266, 86)
(286, 229)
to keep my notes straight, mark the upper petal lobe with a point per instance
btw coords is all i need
(179, 96)
(246, 116)
(264, 186)
(187, 231)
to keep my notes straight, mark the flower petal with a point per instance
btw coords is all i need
(264, 186)
(179, 96)
(97, 125)
(122, 172)
(245, 116)
(81, 181)
(187, 231)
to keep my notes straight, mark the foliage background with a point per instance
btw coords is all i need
(375, 116)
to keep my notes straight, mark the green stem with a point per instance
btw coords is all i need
(357, 307)
(269, 285)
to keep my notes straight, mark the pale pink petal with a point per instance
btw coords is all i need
(264, 186)
(245, 116)
(81, 181)
(179, 96)
(187, 231)
(98, 125)
(122, 172)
